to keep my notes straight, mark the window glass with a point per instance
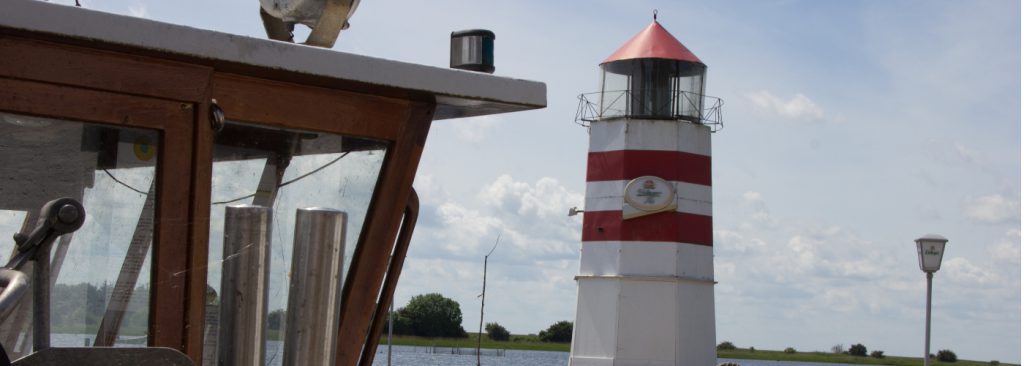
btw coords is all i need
(99, 274)
(285, 171)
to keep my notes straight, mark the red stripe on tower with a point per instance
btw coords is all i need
(668, 165)
(660, 227)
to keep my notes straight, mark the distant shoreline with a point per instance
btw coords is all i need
(531, 343)
(825, 357)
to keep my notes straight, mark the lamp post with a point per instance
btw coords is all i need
(929, 256)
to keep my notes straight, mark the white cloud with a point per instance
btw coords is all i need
(969, 155)
(429, 190)
(963, 271)
(993, 209)
(531, 271)
(546, 198)
(474, 129)
(138, 10)
(465, 229)
(799, 107)
(530, 218)
(1008, 249)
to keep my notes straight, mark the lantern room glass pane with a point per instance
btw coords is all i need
(653, 89)
(285, 170)
(690, 96)
(614, 96)
(99, 274)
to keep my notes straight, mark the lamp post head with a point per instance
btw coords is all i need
(929, 252)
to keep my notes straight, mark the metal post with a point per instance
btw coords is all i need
(41, 297)
(391, 328)
(314, 293)
(480, 330)
(483, 296)
(244, 278)
(928, 322)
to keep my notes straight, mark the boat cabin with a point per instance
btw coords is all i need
(234, 189)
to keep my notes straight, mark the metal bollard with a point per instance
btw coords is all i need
(244, 278)
(314, 293)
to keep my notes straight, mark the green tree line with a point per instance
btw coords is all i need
(79, 308)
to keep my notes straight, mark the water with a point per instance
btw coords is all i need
(422, 356)
(419, 356)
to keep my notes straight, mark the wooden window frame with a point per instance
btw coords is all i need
(48, 77)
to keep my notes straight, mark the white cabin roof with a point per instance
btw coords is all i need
(458, 93)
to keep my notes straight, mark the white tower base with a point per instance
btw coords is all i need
(637, 306)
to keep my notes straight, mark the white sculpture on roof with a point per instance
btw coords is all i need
(326, 17)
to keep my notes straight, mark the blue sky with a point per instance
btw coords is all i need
(852, 128)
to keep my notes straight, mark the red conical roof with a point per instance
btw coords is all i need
(653, 42)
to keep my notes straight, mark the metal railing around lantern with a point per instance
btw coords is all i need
(619, 104)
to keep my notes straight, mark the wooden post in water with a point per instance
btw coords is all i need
(483, 295)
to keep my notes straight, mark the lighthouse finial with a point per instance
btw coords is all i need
(655, 15)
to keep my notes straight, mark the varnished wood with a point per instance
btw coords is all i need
(62, 102)
(88, 68)
(308, 108)
(369, 262)
(199, 233)
(387, 295)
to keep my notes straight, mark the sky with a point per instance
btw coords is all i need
(851, 128)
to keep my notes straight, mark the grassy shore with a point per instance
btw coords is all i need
(532, 343)
(746, 354)
(518, 342)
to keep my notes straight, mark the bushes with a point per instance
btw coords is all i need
(858, 350)
(430, 315)
(946, 355)
(789, 350)
(726, 346)
(877, 354)
(496, 332)
(560, 332)
(837, 349)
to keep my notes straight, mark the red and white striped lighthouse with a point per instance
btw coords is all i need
(645, 286)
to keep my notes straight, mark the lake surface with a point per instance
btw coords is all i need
(431, 356)
(421, 356)
(426, 356)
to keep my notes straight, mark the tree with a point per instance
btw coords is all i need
(726, 346)
(858, 350)
(877, 354)
(275, 319)
(837, 349)
(946, 355)
(496, 332)
(560, 332)
(430, 315)
(789, 350)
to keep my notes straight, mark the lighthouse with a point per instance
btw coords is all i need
(646, 278)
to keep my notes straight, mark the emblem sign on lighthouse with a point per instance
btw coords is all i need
(648, 195)
(645, 286)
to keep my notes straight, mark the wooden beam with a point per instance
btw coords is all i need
(370, 260)
(103, 70)
(308, 108)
